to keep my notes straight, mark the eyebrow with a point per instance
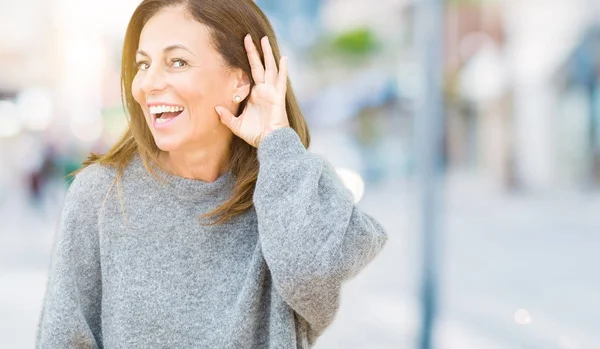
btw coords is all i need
(167, 50)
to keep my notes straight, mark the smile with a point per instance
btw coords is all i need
(163, 115)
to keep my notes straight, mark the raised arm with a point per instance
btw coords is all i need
(312, 235)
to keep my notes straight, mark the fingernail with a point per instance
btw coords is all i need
(218, 110)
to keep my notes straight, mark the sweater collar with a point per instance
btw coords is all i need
(188, 189)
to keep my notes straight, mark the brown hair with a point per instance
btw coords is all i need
(229, 21)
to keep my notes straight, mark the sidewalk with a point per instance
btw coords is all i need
(500, 253)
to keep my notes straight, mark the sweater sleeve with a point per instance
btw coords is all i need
(312, 235)
(70, 316)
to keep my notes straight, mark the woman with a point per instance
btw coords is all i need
(201, 229)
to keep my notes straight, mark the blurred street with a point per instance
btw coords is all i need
(501, 253)
(498, 257)
(518, 147)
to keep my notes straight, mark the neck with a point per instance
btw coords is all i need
(205, 164)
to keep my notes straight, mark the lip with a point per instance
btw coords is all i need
(156, 125)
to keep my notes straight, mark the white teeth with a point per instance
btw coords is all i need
(161, 121)
(164, 109)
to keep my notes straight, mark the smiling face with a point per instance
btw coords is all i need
(180, 80)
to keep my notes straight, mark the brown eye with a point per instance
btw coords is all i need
(179, 63)
(142, 65)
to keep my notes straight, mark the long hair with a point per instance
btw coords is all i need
(228, 21)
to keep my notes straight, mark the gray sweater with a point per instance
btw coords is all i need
(132, 267)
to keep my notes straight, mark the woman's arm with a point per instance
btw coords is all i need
(70, 316)
(312, 235)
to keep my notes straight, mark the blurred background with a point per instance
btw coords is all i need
(518, 207)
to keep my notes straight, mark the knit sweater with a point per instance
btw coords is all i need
(133, 267)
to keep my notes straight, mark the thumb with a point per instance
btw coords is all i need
(228, 119)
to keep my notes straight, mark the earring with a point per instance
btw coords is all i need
(237, 99)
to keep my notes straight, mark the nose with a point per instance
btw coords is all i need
(153, 80)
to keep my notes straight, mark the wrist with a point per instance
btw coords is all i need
(271, 129)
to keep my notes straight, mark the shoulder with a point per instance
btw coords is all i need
(90, 185)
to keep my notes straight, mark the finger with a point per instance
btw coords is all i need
(270, 65)
(228, 119)
(282, 76)
(256, 66)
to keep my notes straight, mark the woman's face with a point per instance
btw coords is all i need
(180, 80)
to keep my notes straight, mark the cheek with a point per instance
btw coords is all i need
(138, 96)
(201, 99)
(209, 89)
(136, 90)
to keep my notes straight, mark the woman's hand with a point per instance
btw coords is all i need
(265, 110)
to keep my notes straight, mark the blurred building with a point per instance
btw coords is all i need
(503, 102)
(522, 112)
(578, 81)
(295, 21)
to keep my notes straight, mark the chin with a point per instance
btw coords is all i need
(167, 144)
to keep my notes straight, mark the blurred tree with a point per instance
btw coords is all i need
(351, 47)
(359, 42)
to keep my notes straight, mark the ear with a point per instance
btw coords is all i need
(241, 84)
